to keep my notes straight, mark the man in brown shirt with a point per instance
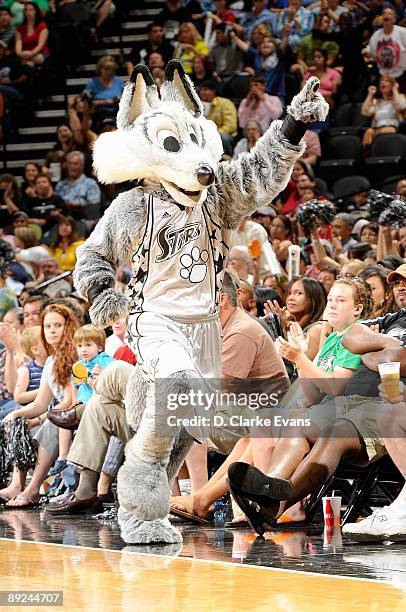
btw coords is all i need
(247, 350)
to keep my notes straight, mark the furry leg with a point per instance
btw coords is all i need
(142, 482)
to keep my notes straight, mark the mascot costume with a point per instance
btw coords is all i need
(175, 227)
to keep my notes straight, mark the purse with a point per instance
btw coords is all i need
(66, 418)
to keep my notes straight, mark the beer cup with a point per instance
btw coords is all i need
(390, 376)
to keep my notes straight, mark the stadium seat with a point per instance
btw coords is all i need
(376, 484)
(346, 187)
(236, 88)
(389, 184)
(341, 156)
(387, 157)
(349, 120)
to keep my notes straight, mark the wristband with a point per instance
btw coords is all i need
(96, 290)
(293, 129)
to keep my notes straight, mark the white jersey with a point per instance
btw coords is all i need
(178, 268)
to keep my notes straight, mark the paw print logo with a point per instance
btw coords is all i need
(194, 265)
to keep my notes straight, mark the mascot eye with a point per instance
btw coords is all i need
(169, 141)
(171, 144)
(193, 138)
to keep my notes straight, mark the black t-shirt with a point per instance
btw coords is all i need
(365, 382)
(140, 53)
(171, 20)
(40, 208)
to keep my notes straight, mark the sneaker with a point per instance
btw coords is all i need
(382, 525)
(59, 465)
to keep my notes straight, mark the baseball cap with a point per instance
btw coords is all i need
(266, 211)
(399, 272)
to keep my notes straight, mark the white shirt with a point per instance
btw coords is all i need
(389, 51)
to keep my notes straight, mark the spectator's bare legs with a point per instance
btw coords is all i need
(393, 429)
(340, 440)
(31, 492)
(104, 484)
(196, 461)
(200, 501)
(103, 12)
(16, 485)
(65, 442)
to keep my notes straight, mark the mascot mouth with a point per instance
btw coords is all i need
(190, 194)
(188, 197)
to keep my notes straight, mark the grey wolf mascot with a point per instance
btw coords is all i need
(175, 227)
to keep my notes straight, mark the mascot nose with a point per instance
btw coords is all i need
(205, 175)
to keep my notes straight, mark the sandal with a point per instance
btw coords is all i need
(256, 516)
(28, 506)
(189, 516)
(250, 482)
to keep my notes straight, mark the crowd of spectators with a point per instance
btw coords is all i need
(246, 63)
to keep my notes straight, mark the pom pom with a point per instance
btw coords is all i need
(4, 460)
(6, 255)
(21, 448)
(378, 202)
(394, 214)
(312, 212)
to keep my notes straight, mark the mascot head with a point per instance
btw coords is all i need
(161, 136)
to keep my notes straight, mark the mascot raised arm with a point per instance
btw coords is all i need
(175, 227)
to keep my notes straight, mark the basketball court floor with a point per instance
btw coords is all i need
(215, 569)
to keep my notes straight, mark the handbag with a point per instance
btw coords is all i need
(66, 418)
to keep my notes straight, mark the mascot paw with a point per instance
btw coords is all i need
(309, 105)
(109, 306)
(143, 489)
(160, 531)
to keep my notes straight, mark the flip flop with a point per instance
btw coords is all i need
(5, 500)
(28, 506)
(250, 482)
(256, 518)
(193, 518)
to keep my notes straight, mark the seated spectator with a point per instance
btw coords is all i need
(8, 299)
(48, 269)
(333, 10)
(17, 7)
(313, 148)
(225, 56)
(369, 234)
(342, 229)
(70, 23)
(327, 277)
(7, 30)
(385, 108)
(330, 79)
(202, 70)
(188, 45)
(278, 283)
(240, 261)
(173, 14)
(32, 310)
(222, 111)
(281, 237)
(304, 183)
(140, 53)
(29, 375)
(382, 292)
(299, 20)
(9, 199)
(56, 157)
(105, 89)
(401, 188)
(30, 173)
(45, 208)
(387, 46)
(259, 32)
(259, 105)
(310, 43)
(32, 36)
(66, 243)
(222, 13)
(260, 15)
(252, 131)
(78, 190)
(305, 304)
(267, 61)
(116, 346)
(248, 231)
(264, 217)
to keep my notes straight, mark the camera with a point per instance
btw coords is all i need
(86, 96)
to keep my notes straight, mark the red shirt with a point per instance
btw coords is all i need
(30, 41)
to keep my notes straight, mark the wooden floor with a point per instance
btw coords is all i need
(94, 579)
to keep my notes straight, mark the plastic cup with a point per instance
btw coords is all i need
(390, 376)
(254, 248)
(332, 538)
(332, 511)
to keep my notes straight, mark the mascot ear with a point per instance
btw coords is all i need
(178, 87)
(139, 95)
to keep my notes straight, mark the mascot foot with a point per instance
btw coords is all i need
(160, 531)
(143, 489)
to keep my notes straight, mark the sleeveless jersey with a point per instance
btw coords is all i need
(178, 268)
